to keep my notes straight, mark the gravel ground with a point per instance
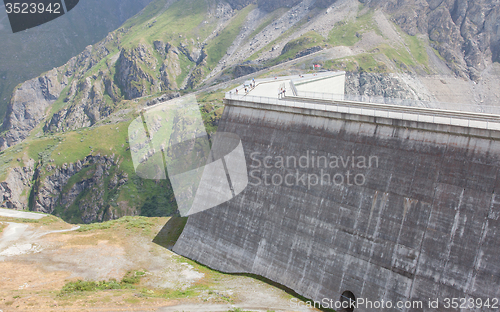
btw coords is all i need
(38, 258)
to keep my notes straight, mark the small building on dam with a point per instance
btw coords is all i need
(392, 204)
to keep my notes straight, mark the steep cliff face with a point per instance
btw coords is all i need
(465, 32)
(84, 112)
(94, 182)
(133, 77)
(14, 191)
(28, 106)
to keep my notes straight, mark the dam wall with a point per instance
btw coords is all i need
(418, 220)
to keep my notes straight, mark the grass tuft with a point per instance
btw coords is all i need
(128, 281)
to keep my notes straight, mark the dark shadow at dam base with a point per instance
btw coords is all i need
(172, 230)
(168, 235)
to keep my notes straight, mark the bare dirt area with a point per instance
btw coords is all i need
(42, 260)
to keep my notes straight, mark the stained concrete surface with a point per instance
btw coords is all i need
(424, 224)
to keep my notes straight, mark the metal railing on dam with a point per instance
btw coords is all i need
(404, 109)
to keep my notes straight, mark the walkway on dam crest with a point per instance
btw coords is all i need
(302, 93)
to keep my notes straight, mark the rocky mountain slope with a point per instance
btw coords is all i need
(65, 131)
(27, 54)
(465, 32)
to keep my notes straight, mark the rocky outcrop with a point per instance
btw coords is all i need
(14, 190)
(379, 85)
(134, 80)
(88, 196)
(308, 51)
(163, 98)
(90, 108)
(243, 70)
(29, 104)
(465, 32)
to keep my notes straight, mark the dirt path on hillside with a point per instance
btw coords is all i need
(20, 214)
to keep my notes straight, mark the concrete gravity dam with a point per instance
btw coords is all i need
(348, 199)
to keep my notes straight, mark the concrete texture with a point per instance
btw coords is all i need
(334, 83)
(424, 224)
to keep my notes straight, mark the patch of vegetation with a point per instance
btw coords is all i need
(42, 149)
(364, 62)
(439, 55)
(83, 174)
(183, 19)
(172, 293)
(343, 34)
(60, 102)
(348, 33)
(128, 281)
(159, 205)
(401, 57)
(417, 49)
(96, 226)
(412, 55)
(185, 65)
(347, 64)
(8, 160)
(129, 222)
(81, 286)
(367, 63)
(211, 107)
(132, 278)
(47, 220)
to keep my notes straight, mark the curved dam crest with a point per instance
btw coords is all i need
(424, 224)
